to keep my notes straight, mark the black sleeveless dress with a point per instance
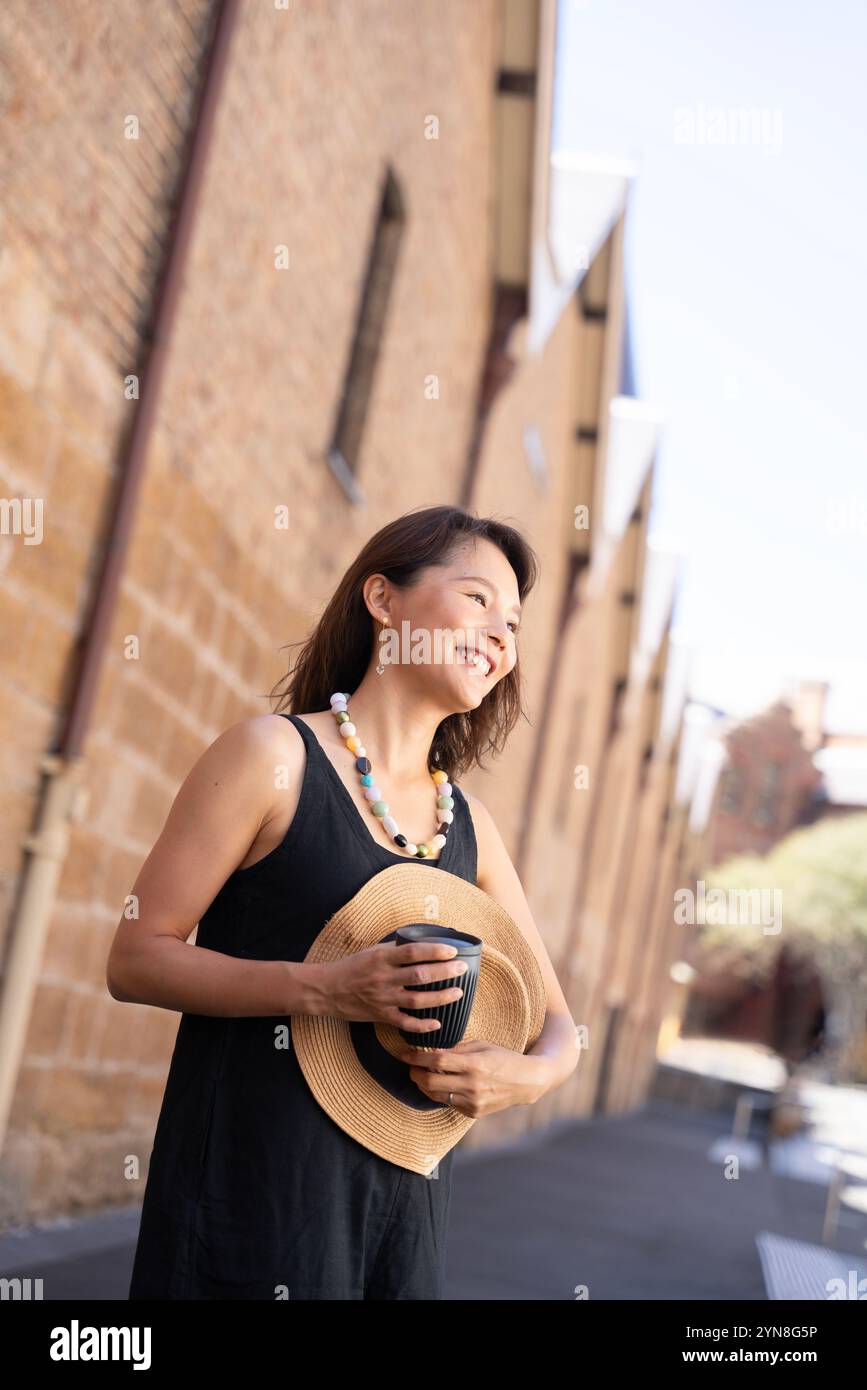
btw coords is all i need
(253, 1191)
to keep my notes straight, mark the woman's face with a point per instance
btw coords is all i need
(470, 609)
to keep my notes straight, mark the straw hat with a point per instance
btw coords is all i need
(354, 1069)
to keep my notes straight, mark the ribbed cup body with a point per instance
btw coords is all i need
(455, 1016)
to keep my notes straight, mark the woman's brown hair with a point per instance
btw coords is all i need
(337, 653)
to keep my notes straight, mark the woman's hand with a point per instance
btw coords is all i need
(378, 984)
(482, 1076)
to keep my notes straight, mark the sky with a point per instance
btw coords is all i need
(745, 271)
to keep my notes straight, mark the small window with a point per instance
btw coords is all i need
(345, 444)
(615, 712)
(732, 791)
(769, 794)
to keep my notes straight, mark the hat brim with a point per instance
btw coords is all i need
(352, 1068)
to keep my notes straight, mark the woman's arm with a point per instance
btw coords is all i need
(556, 1046)
(479, 1077)
(226, 799)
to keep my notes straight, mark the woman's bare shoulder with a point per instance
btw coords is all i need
(263, 759)
(258, 736)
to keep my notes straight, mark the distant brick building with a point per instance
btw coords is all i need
(766, 786)
(773, 772)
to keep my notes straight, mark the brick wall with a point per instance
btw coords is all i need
(317, 99)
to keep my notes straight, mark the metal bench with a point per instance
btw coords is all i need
(794, 1269)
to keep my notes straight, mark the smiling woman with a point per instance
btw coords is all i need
(252, 1188)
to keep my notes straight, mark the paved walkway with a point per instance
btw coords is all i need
(632, 1207)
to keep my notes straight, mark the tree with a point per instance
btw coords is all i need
(821, 874)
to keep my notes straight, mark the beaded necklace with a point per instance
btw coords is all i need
(445, 805)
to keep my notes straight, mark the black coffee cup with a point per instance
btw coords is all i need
(455, 1016)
